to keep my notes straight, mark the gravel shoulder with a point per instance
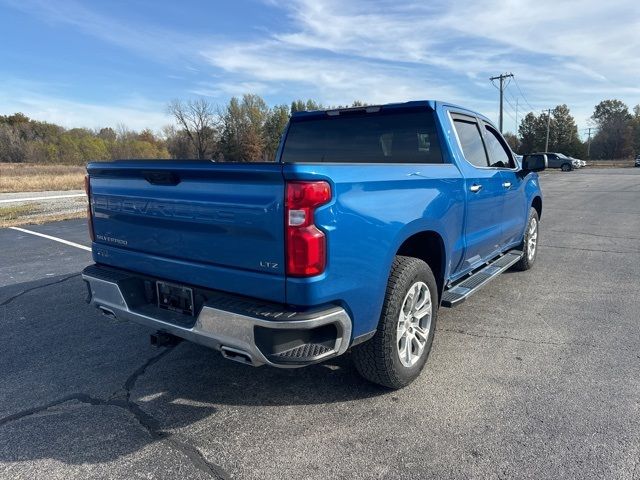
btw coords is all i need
(20, 208)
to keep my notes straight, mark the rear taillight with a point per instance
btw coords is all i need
(306, 243)
(87, 190)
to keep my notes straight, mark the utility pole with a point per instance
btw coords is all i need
(546, 145)
(517, 116)
(589, 144)
(502, 79)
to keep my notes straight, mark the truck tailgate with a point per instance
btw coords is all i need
(227, 217)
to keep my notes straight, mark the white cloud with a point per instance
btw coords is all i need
(135, 113)
(576, 52)
(571, 52)
(332, 80)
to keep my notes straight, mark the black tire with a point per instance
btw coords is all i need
(566, 167)
(378, 359)
(527, 260)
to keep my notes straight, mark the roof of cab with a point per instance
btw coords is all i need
(387, 106)
(430, 104)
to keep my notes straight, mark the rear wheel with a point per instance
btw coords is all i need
(530, 242)
(396, 354)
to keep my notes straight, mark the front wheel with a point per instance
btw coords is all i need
(530, 242)
(396, 354)
(566, 167)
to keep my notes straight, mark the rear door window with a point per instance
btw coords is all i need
(471, 142)
(394, 136)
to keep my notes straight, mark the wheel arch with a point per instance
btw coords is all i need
(537, 204)
(428, 246)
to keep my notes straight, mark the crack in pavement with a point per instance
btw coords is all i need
(617, 237)
(145, 420)
(536, 342)
(516, 339)
(81, 397)
(19, 294)
(591, 249)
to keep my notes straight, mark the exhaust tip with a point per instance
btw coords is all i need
(236, 355)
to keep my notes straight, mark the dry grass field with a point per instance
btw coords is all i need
(28, 177)
(18, 216)
(12, 213)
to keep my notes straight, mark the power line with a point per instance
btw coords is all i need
(515, 110)
(518, 104)
(508, 94)
(512, 116)
(509, 103)
(522, 94)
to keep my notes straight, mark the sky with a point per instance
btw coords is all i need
(94, 64)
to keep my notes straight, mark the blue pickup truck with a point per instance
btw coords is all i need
(368, 221)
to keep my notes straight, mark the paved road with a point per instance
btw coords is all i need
(19, 197)
(538, 376)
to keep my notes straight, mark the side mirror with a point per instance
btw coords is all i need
(534, 163)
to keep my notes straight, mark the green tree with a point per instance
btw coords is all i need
(563, 132)
(243, 135)
(69, 150)
(302, 106)
(635, 128)
(178, 144)
(274, 126)
(608, 110)
(15, 119)
(512, 140)
(532, 138)
(614, 137)
(563, 137)
(232, 130)
(93, 148)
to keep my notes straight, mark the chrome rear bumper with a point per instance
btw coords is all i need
(244, 330)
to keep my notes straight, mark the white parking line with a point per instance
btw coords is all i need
(55, 239)
(33, 199)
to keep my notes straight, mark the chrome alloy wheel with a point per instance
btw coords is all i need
(414, 323)
(533, 239)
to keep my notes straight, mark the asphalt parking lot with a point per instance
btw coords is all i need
(537, 376)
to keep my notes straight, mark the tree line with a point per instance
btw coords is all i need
(26, 140)
(614, 134)
(246, 129)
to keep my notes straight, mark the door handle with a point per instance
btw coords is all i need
(506, 184)
(475, 188)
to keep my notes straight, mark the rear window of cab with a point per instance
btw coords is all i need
(397, 136)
